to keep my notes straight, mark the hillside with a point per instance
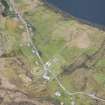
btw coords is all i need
(47, 58)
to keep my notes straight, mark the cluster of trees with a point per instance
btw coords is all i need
(5, 6)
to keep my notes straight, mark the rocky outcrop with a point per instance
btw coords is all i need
(16, 90)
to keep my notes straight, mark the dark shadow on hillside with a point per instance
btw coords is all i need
(85, 60)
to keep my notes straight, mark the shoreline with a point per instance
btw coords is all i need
(67, 15)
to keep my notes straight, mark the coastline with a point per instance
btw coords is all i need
(67, 15)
